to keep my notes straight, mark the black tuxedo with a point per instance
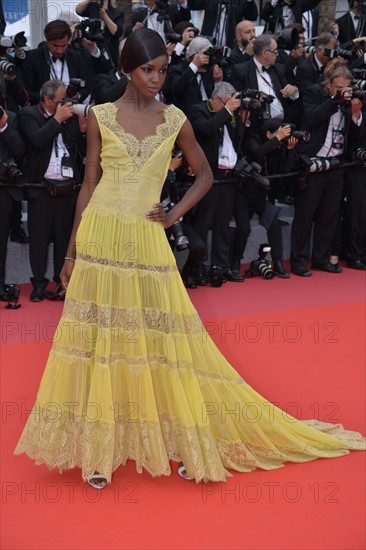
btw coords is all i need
(244, 76)
(236, 56)
(308, 73)
(11, 148)
(347, 30)
(242, 9)
(273, 15)
(176, 15)
(216, 207)
(37, 70)
(181, 86)
(48, 216)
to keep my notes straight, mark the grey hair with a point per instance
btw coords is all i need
(323, 40)
(50, 88)
(223, 89)
(262, 42)
(196, 45)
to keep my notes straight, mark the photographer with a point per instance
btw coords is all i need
(55, 144)
(191, 80)
(263, 73)
(272, 148)
(159, 16)
(112, 21)
(216, 124)
(333, 117)
(353, 23)
(243, 48)
(11, 149)
(221, 18)
(53, 60)
(311, 70)
(279, 13)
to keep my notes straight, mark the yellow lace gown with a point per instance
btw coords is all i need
(132, 373)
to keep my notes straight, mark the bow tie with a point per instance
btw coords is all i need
(356, 17)
(54, 59)
(265, 69)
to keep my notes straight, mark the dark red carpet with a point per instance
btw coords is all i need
(299, 342)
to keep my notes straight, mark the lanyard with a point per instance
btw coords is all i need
(53, 70)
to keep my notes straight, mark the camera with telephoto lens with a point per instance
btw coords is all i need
(359, 154)
(77, 108)
(7, 68)
(261, 266)
(250, 171)
(319, 164)
(345, 96)
(10, 295)
(302, 136)
(258, 95)
(217, 54)
(337, 52)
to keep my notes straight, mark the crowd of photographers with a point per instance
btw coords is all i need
(280, 117)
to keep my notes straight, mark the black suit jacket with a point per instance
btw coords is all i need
(36, 70)
(318, 108)
(308, 73)
(39, 133)
(273, 15)
(12, 147)
(207, 128)
(181, 86)
(346, 29)
(176, 15)
(242, 9)
(108, 88)
(244, 76)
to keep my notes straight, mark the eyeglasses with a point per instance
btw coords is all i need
(272, 51)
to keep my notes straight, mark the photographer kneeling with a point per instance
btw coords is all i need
(55, 147)
(332, 116)
(272, 148)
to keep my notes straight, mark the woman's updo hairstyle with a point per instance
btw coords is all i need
(141, 46)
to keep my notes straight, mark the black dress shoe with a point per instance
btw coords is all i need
(279, 270)
(216, 276)
(189, 282)
(39, 286)
(235, 267)
(328, 267)
(356, 264)
(233, 277)
(301, 271)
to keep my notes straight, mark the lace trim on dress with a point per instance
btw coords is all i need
(104, 446)
(127, 318)
(126, 265)
(140, 151)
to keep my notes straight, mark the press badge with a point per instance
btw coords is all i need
(67, 170)
(337, 139)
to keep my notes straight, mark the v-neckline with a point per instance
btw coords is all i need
(150, 136)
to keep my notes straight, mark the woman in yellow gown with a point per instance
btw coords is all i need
(132, 373)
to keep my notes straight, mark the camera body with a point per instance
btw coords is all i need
(91, 29)
(10, 172)
(344, 97)
(338, 52)
(217, 54)
(261, 266)
(73, 89)
(10, 295)
(301, 135)
(250, 171)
